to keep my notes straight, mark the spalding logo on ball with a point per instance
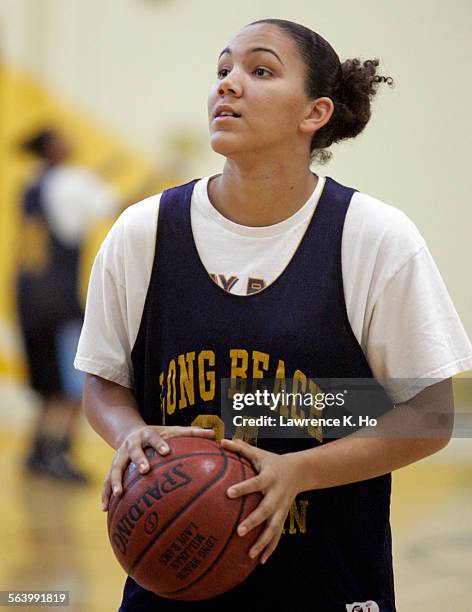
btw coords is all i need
(174, 528)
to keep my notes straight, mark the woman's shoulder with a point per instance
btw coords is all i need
(138, 217)
(378, 241)
(140, 214)
(132, 236)
(377, 226)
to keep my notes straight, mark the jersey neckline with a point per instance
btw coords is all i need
(203, 202)
(296, 253)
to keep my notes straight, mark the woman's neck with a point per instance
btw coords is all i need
(260, 196)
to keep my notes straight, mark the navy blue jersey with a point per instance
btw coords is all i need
(50, 293)
(336, 546)
(48, 302)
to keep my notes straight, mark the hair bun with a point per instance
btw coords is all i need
(356, 86)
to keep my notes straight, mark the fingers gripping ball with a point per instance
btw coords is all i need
(174, 528)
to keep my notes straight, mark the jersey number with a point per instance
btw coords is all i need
(213, 421)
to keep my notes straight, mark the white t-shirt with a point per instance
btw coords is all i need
(74, 198)
(398, 306)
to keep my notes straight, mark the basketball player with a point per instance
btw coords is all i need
(59, 206)
(269, 270)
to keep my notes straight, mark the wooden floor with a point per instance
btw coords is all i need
(54, 536)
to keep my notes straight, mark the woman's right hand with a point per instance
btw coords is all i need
(132, 450)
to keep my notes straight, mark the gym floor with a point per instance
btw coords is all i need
(54, 536)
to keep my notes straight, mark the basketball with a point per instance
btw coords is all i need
(174, 529)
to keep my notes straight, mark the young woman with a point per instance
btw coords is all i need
(269, 270)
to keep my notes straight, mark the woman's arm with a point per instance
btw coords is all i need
(113, 413)
(110, 409)
(409, 432)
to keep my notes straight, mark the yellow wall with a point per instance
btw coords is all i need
(24, 107)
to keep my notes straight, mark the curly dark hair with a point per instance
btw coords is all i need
(351, 85)
(39, 142)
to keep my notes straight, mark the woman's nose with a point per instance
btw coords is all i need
(230, 84)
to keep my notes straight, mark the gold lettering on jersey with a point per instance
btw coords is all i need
(186, 379)
(260, 364)
(171, 390)
(238, 374)
(206, 378)
(254, 285)
(315, 413)
(210, 421)
(280, 384)
(296, 517)
(239, 363)
(227, 283)
(247, 433)
(36, 259)
(179, 384)
(298, 386)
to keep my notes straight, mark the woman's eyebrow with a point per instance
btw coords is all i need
(255, 50)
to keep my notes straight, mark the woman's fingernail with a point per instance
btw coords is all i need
(231, 492)
(163, 448)
(253, 553)
(143, 467)
(116, 490)
(242, 531)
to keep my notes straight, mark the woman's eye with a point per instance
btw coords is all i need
(262, 70)
(223, 72)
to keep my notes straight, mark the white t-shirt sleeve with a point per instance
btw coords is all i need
(415, 335)
(104, 347)
(74, 198)
(398, 305)
(116, 294)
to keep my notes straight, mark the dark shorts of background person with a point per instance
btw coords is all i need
(50, 320)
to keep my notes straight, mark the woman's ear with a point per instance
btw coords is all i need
(318, 114)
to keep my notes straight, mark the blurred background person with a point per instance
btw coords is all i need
(59, 206)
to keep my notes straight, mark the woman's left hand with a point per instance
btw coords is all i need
(276, 480)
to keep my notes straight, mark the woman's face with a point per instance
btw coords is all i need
(264, 87)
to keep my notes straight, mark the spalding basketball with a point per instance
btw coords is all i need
(174, 528)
